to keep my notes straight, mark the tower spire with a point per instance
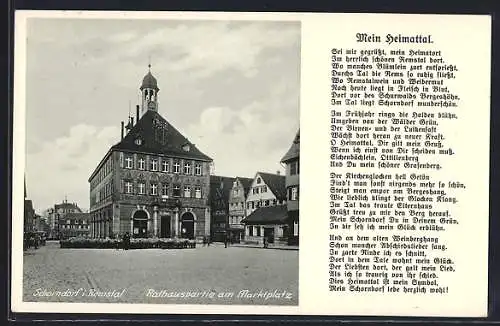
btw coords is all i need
(149, 91)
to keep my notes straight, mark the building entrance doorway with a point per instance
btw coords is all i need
(269, 234)
(165, 227)
(140, 224)
(187, 225)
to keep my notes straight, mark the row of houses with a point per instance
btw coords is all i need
(156, 183)
(33, 222)
(67, 220)
(265, 206)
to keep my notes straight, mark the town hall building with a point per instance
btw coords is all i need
(154, 182)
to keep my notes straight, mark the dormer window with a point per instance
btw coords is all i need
(138, 141)
(186, 148)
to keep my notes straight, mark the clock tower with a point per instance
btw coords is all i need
(149, 90)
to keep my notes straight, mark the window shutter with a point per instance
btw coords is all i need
(122, 186)
(121, 160)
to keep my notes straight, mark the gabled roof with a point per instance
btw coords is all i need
(275, 182)
(216, 192)
(246, 183)
(294, 151)
(267, 215)
(67, 205)
(174, 140)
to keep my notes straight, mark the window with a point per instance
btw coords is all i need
(264, 189)
(164, 189)
(142, 164)
(274, 202)
(177, 190)
(258, 180)
(197, 192)
(258, 204)
(128, 162)
(187, 167)
(197, 169)
(68, 221)
(165, 165)
(255, 190)
(248, 205)
(253, 205)
(154, 189)
(128, 187)
(236, 192)
(293, 193)
(294, 168)
(250, 231)
(177, 166)
(187, 191)
(258, 230)
(154, 165)
(142, 188)
(266, 203)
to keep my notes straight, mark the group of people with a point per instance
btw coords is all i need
(206, 241)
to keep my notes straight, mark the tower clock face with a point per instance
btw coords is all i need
(152, 105)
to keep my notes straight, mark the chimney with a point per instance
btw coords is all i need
(122, 128)
(278, 172)
(137, 111)
(132, 121)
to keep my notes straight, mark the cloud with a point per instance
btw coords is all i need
(62, 166)
(245, 140)
(202, 49)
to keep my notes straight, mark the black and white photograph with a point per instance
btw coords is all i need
(161, 161)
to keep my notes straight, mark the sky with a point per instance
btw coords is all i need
(232, 88)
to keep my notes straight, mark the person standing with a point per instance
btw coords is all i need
(126, 241)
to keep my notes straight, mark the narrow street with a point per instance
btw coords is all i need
(204, 275)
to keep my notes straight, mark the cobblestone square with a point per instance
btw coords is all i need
(204, 275)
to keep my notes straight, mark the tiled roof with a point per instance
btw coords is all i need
(294, 150)
(267, 215)
(76, 216)
(174, 140)
(215, 190)
(149, 81)
(246, 183)
(276, 183)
